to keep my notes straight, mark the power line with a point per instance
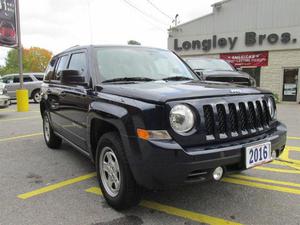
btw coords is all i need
(144, 13)
(158, 9)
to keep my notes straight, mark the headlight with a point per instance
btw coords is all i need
(1, 91)
(182, 118)
(272, 107)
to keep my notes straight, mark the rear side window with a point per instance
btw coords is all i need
(16, 79)
(78, 62)
(39, 77)
(7, 80)
(27, 78)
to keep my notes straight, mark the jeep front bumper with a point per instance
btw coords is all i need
(159, 164)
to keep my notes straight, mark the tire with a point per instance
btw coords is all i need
(129, 193)
(51, 139)
(36, 96)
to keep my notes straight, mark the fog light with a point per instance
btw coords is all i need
(218, 173)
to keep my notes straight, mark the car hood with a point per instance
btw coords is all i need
(216, 73)
(161, 91)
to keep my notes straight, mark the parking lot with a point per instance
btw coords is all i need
(43, 186)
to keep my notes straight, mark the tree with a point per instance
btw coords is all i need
(133, 42)
(34, 60)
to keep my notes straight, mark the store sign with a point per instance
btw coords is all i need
(251, 39)
(8, 32)
(255, 59)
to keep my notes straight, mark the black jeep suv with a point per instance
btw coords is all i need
(147, 120)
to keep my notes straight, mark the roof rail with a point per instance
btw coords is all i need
(71, 47)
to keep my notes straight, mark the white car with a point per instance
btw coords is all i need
(32, 82)
(4, 99)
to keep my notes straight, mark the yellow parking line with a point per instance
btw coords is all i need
(20, 118)
(56, 186)
(293, 138)
(262, 186)
(13, 110)
(285, 163)
(265, 180)
(277, 170)
(20, 136)
(198, 217)
(293, 148)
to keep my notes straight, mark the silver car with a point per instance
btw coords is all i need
(32, 82)
(4, 99)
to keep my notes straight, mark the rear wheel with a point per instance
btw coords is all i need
(51, 139)
(36, 96)
(114, 175)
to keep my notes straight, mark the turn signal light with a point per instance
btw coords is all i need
(153, 134)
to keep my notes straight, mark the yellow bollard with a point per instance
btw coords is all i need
(22, 100)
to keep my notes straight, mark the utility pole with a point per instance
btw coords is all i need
(20, 48)
(22, 94)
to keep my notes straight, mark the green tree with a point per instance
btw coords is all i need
(34, 60)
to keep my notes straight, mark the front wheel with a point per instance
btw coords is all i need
(51, 139)
(114, 175)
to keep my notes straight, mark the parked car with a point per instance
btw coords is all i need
(32, 82)
(219, 70)
(147, 120)
(4, 99)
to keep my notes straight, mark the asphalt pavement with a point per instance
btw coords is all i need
(43, 186)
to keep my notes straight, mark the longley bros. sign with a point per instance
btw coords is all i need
(250, 39)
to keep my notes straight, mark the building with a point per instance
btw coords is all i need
(260, 36)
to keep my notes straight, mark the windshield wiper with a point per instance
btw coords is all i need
(178, 78)
(128, 79)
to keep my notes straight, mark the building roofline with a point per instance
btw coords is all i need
(201, 17)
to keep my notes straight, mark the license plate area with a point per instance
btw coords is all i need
(258, 154)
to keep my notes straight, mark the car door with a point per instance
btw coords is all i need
(75, 100)
(28, 83)
(52, 92)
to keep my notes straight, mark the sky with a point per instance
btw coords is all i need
(59, 24)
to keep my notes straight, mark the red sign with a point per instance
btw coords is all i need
(8, 35)
(255, 59)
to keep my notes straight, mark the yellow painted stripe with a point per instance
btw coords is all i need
(262, 186)
(293, 148)
(198, 217)
(20, 118)
(293, 138)
(286, 163)
(56, 186)
(265, 180)
(277, 170)
(14, 110)
(20, 136)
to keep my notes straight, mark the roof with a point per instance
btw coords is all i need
(209, 14)
(78, 47)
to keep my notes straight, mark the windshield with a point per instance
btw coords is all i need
(209, 64)
(116, 62)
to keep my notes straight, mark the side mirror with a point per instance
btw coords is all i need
(239, 69)
(72, 77)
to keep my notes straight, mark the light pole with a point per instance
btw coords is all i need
(22, 94)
